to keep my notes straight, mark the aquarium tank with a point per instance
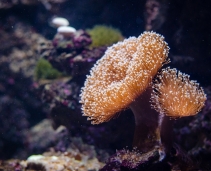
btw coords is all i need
(105, 85)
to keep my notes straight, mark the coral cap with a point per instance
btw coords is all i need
(121, 75)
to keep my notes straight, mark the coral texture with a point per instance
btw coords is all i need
(102, 35)
(175, 95)
(44, 70)
(121, 75)
(61, 93)
(12, 133)
(71, 54)
(132, 159)
(62, 162)
(77, 157)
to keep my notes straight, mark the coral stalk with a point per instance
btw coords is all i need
(146, 135)
(119, 80)
(174, 96)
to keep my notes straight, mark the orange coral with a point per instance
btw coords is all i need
(175, 95)
(121, 75)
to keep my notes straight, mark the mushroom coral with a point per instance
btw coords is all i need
(120, 80)
(121, 75)
(175, 95)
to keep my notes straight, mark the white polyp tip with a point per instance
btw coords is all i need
(66, 30)
(59, 21)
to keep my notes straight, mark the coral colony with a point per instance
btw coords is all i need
(77, 94)
(129, 76)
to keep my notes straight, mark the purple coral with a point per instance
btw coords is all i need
(72, 54)
(61, 93)
(129, 160)
(78, 40)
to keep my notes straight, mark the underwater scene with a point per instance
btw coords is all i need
(105, 85)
